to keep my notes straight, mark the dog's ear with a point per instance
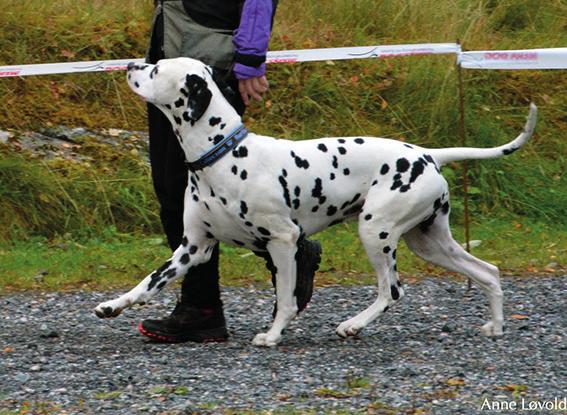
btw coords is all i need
(199, 96)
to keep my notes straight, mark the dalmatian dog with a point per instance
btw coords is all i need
(266, 194)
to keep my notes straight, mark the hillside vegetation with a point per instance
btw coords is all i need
(412, 98)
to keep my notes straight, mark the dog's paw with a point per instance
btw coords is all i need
(492, 329)
(265, 340)
(349, 328)
(107, 310)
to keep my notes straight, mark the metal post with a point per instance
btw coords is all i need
(465, 170)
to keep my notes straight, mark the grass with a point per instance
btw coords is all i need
(118, 261)
(95, 225)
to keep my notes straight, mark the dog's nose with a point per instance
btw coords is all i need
(131, 66)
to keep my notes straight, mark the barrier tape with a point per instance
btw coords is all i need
(289, 56)
(553, 58)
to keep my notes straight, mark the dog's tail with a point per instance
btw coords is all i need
(446, 155)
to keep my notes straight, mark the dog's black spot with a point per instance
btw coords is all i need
(359, 141)
(317, 191)
(249, 224)
(426, 224)
(342, 150)
(402, 165)
(207, 224)
(386, 309)
(386, 249)
(177, 120)
(384, 235)
(396, 184)
(243, 174)
(445, 208)
(284, 173)
(428, 158)
(405, 188)
(212, 192)
(283, 183)
(315, 209)
(184, 241)
(336, 222)
(184, 259)
(179, 103)
(222, 126)
(508, 151)
(353, 210)
(193, 249)
(332, 176)
(385, 169)
(263, 231)
(408, 146)
(374, 183)
(218, 138)
(346, 172)
(297, 191)
(214, 121)
(394, 253)
(170, 273)
(136, 84)
(223, 200)
(395, 293)
(260, 244)
(342, 140)
(234, 170)
(437, 204)
(240, 152)
(195, 198)
(168, 106)
(368, 217)
(209, 235)
(184, 92)
(296, 204)
(322, 147)
(335, 162)
(299, 162)
(417, 169)
(331, 210)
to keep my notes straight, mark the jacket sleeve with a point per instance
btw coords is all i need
(252, 37)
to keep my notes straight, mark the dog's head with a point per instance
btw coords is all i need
(178, 85)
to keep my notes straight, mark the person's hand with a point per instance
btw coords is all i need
(252, 87)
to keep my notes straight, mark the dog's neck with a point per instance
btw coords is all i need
(196, 138)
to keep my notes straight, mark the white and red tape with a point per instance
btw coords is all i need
(554, 58)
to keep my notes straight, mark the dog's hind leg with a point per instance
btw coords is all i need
(380, 240)
(283, 253)
(435, 244)
(190, 253)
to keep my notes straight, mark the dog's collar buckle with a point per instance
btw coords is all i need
(219, 150)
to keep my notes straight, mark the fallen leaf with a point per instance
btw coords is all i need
(519, 317)
(456, 382)
(8, 350)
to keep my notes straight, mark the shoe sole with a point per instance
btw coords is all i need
(200, 336)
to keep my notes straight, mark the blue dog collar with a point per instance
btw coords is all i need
(219, 150)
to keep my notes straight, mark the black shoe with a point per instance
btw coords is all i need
(308, 257)
(187, 323)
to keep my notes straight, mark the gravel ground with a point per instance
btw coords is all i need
(425, 356)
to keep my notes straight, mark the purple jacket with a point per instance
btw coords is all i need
(252, 37)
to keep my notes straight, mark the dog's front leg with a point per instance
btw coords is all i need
(283, 256)
(189, 254)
